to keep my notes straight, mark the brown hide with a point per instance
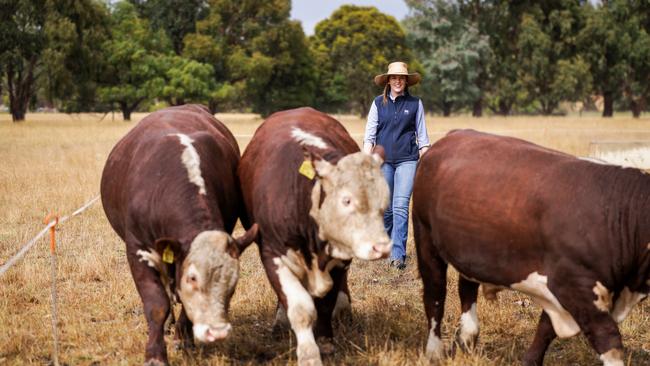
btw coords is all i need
(152, 203)
(499, 208)
(277, 198)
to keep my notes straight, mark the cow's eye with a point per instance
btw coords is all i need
(346, 201)
(191, 279)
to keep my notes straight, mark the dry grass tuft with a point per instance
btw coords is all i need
(53, 162)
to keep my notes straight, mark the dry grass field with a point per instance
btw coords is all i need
(53, 162)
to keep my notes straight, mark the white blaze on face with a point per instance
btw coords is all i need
(624, 304)
(469, 326)
(307, 139)
(209, 278)
(191, 161)
(603, 301)
(350, 217)
(301, 312)
(535, 285)
(613, 357)
(435, 349)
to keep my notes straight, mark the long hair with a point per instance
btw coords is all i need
(387, 90)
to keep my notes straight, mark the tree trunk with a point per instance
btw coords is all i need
(637, 107)
(20, 90)
(504, 108)
(126, 110)
(213, 106)
(446, 108)
(477, 108)
(608, 110)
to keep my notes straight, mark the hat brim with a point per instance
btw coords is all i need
(411, 79)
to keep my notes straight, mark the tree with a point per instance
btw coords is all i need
(452, 51)
(176, 17)
(551, 71)
(75, 30)
(605, 45)
(135, 56)
(351, 46)
(22, 39)
(259, 56)
(186, 81)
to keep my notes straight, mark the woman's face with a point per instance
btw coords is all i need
(397, 83)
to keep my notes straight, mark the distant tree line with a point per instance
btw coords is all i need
(478, 56)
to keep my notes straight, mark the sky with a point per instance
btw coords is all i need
(310, 12)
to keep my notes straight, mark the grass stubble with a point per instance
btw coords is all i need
(53, 163)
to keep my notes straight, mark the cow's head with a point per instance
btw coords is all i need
(350, 216)
(206, 277)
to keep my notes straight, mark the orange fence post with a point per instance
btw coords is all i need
(47, 220)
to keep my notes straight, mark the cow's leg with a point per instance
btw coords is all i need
(156, 306)
(300, 307)
(343, 307)
(184, 334)
(433, 271)
(543, 338)
(469, 326)
(325, 309)
(576, 294)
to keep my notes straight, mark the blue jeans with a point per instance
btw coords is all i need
(399, 177)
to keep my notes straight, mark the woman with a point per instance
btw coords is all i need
(396, 122)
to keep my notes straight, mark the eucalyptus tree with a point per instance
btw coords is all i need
(135, 56)
(351, 46)
(452, 51)
(260, 57)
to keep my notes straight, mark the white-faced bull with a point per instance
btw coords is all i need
(170, 191)
(319, 202)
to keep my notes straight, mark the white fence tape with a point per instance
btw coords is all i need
(31, 243)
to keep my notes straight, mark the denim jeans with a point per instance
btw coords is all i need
(399, 177)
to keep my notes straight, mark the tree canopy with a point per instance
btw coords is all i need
(351, 46)
(504, 57)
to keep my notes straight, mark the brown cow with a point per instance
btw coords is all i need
(572, 234)
(311, 225)
(170, 191)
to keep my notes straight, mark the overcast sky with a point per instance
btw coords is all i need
(310, 12)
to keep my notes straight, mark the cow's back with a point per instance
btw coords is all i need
(145, 177)
(271, 185)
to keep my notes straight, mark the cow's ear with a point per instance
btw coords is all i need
(321, 166)
(241, 243)
(169, 249)
(378, 154)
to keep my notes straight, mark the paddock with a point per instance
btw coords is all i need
(53, 163)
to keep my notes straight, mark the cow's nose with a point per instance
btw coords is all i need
(383, 249)
(207, 334)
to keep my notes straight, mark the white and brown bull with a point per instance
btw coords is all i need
(319, 202)
(508, 214)
(170, 191)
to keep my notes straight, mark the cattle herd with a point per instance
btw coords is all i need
(572, 234)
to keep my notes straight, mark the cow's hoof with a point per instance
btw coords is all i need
(326, 346)
(154, 362)
(309, 355)
(465, 343)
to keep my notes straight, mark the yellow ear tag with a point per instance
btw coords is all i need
(307, 169)
(168, 255)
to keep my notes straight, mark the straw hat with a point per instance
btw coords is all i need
(398, 68)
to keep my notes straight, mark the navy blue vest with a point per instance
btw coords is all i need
(396, 130)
